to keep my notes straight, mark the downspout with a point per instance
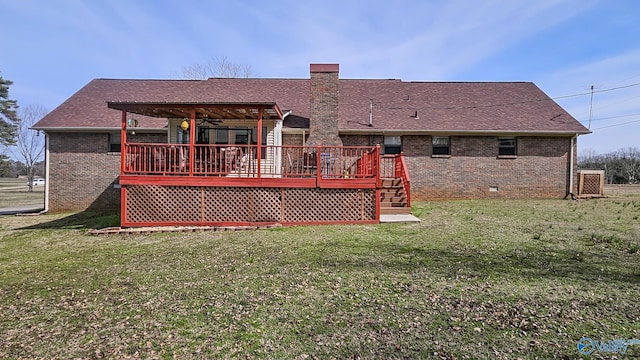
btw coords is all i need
(571, 165)
(278, 142)
(46, 174)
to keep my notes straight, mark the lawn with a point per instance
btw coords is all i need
(485, 279)
(15, 193)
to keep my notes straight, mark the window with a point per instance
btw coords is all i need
(254, 135)
(242, 135)
(114, 142)
(183, 136)
(441, 145)
(222, 135)
(392, 145)
(203, 134)
(507, 146)
(254, 140)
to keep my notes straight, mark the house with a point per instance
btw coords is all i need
(317, 150)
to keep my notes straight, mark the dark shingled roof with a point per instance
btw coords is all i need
(454, 107)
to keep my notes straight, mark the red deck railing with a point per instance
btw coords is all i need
(402, 172)
(158, 159)
(394, 166)
(323, 162)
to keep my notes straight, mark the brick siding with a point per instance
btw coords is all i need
(83, 172)
(540, 169)
(362, 140)
(292, 139)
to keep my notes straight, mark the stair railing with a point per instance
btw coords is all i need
(402, 172)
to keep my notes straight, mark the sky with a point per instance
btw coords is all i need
(52, 48)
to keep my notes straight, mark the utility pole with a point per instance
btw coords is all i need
(590, 108)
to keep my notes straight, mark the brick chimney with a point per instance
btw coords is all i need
(323, 120)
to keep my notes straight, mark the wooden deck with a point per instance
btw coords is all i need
(232, 165)
(231, 185)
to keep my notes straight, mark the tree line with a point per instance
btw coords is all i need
(17, 138)
(10, 168)
(621, 166)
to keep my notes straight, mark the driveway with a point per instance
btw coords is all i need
(21, 209)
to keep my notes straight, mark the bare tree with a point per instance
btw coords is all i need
(29, 146)
(587, 155)
(621, 166)
(630, 164)
(217, 67)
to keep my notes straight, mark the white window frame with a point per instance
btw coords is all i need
(440, 143)
(505, 149)
(392, 145)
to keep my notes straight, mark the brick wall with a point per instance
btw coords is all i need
(362, 140)
(158, 138)
(323, 120)
(540, 170)
(82, 172)
(292, 139)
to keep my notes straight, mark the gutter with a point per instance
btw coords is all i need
(46, 175)
(571, 164)
(460, 132)
(278, 140)
(96, 129)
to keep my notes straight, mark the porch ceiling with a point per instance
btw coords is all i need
(222, 111)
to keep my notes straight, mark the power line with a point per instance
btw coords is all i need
(618, 88)
(620, 124)
(615, 117)
(596, 91)
(380, 105)
(590, 108)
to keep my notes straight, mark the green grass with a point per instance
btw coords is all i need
(492, 279)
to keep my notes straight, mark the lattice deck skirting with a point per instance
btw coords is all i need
(591, 182)
(203, 205)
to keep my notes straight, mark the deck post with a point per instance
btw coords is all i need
(378, 161)
(123, 141)
(319, 165)
(192, 141)
(259, 152)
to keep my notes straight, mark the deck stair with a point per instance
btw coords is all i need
(393, 199)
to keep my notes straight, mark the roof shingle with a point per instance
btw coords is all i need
(397, 105)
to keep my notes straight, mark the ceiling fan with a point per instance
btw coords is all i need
(209, 121)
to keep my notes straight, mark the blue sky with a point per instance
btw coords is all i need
(51, 49)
